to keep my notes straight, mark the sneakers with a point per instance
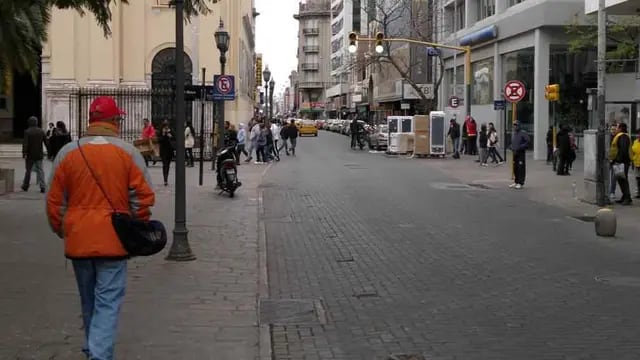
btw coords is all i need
(518, 186)
(513, 185)
(500, 162)
(484, 164)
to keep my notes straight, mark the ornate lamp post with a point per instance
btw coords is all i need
(266, 75)
(222, 42)
(180, 249)
(272, 86)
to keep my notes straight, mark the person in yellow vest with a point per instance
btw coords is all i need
(620, 157)
(635, 159)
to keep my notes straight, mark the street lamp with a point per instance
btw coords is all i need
(266, 75)
(222, 42)
(273, 87)
(180, 249)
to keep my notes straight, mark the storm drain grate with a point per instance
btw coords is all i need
(584, 218)
(291, 311)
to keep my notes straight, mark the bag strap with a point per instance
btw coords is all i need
(95, 177)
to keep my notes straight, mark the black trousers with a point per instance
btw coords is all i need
(624, 184)
(189, 156)
(166, 165)
(519, 167)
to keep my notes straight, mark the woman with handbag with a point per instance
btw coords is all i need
(167, 141)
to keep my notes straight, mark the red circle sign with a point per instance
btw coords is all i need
(224, 84)
(514, 91)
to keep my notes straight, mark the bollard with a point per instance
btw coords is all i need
(606, 223)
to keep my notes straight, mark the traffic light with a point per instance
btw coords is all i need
(552, 92)
(379, 39)
(353, 42)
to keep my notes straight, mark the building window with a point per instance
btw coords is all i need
(455, 16)
(336, 45)
(482, 90)
(337, 8)
(164, 2)
(514, 2)
(336, 27)
(486, 8)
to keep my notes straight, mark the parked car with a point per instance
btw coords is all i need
(379, 137)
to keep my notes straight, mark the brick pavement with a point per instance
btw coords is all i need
(204, 309)
(401, 266)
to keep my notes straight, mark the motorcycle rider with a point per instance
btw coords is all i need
(230, 140)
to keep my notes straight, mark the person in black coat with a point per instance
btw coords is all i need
(563, 144)
(167, 149)
(33, 153)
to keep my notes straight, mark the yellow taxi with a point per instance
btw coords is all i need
(307, 127)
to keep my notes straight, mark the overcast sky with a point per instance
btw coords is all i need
(277, 38)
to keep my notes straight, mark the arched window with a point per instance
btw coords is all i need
(163, 83)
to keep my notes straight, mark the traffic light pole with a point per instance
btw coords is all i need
(601, 166)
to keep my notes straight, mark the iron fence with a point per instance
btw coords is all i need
(156, 105)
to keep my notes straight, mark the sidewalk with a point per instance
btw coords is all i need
(542, 184)
(205, 309)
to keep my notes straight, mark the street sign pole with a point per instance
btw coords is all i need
(514, 92)
(202, 101)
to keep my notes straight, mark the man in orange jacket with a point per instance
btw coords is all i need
(79, 207)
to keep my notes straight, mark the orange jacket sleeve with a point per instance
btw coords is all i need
(56, 199)
(141, 195)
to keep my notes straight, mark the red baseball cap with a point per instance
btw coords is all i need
(104, 108)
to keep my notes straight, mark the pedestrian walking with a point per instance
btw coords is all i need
(242, 138)
(635, 160)
(550, 145)
(563, 143)
(253, 140)
(519, 144)
(189, 143)
(49, 135)
(167, 149)
(472, 135)
(493, 145)
(60, 138)
(275, 131)
(284, 135)
(454, 134)
(613, 183)
(92, 178)
(620, 154)
(292, 135)
(483, 139)
(261, 143)
(148, 133)
(33, 154)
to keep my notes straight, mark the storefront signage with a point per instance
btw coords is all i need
(480, 36)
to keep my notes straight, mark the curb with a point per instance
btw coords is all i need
(264, 344)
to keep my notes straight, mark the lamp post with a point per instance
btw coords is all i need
(180, 249)
(222, 42)
(272, 86)
(266, 75)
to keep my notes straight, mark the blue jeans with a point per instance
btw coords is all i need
(101, 284)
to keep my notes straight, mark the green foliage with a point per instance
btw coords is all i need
(622, 32)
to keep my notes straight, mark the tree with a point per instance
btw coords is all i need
(391, 18)
(622, 34)
(24, 30)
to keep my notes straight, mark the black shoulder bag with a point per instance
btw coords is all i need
(139, 238)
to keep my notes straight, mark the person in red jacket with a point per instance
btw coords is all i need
(91, 178)
(472, 135)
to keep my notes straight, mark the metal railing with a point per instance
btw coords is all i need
(156, 105)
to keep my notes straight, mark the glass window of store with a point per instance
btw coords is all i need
(519, 65)
(482, 89)
(458, 80)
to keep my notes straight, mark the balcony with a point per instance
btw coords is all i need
(310, 66)
(310, 85)
(311, 49)
(311, 31)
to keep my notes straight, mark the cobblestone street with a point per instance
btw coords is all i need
(370, 256)
(205, 309)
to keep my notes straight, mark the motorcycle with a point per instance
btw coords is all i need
(227, 170)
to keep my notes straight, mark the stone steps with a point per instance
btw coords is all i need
(10, 150)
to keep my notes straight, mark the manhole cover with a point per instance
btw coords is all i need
(406, 357)
(619, 280)
(452, 186)
(291, 311)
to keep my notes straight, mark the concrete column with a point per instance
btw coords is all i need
(540, 105)
(501, 6)
(470, 12)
